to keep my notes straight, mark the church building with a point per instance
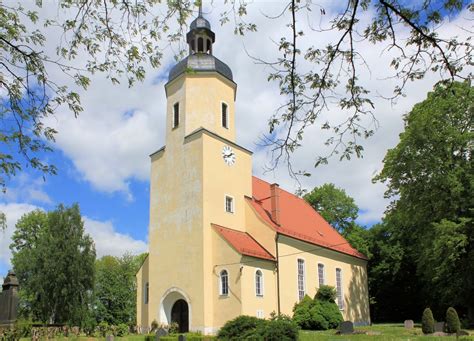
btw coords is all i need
(222, 242)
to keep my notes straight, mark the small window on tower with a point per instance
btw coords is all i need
(200, 45)
(225, 120)
(229, 204)
(176, 115)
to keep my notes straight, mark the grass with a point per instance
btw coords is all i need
(377, 332)
(382, 332)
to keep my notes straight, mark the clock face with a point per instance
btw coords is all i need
(228, 155)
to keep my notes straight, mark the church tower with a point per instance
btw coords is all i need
(199, 178)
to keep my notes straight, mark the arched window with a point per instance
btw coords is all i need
(224, 283)
(200, 45)
(340, 295)
(258, 283)
(321, 274)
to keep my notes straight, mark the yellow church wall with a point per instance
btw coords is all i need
(224, 257)
(204, 109)
(354, 277)
(175, 237)
(142, 279)
(251, 303)
(220, 180)
(259, 230)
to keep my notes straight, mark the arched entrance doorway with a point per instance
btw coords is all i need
(180, 315)
(176, 306)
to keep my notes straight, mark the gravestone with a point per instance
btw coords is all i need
(408, 324)
(9, 299)
(182, 338)
(346, 327)
(439, 327)
(160, 332)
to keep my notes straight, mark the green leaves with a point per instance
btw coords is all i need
(54, 262)
(430, 177)
(334, 205)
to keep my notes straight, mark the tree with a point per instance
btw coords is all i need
(54, 261)
(341, 211)
(115, 289)
(429, 176)
(118, 38)
(334, 205)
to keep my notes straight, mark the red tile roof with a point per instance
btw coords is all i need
(298, 219)
(243, 243)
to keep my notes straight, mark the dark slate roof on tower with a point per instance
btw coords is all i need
(200, 22)
(200, 57)
(200, 62)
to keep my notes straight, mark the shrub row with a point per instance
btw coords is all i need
(453, 325)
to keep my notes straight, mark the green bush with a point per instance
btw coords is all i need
(326, 293)
(322, 313)
(121, 330)
(329, 311)
(302, 313)
(453, 325)
(239, 328)
(427, 322)
(23, 328)
(279, 328)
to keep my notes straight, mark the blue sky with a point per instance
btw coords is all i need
(102, 156)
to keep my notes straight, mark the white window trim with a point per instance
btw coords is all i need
(342, 290)
(324, 273)
(228, 115)
(262, 283)
(304, 279)
(221, 294)
(173, 122)
(225, 203)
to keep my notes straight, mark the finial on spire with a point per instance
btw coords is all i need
(200, 8)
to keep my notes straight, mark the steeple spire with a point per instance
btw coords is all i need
(200, 37)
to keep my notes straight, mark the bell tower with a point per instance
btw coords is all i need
(199, 178)
(200, 91)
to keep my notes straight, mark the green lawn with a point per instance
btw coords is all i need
(382, 332)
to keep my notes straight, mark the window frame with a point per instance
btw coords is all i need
(176, 115)
(340, 290)
(324, 274)
(261, 283)
(226, 115)
(232, 205)
(300, 297)
(221, 287)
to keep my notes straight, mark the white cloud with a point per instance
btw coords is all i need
(27, 189)
(108, 241)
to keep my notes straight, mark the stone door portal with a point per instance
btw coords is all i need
(180, 315)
